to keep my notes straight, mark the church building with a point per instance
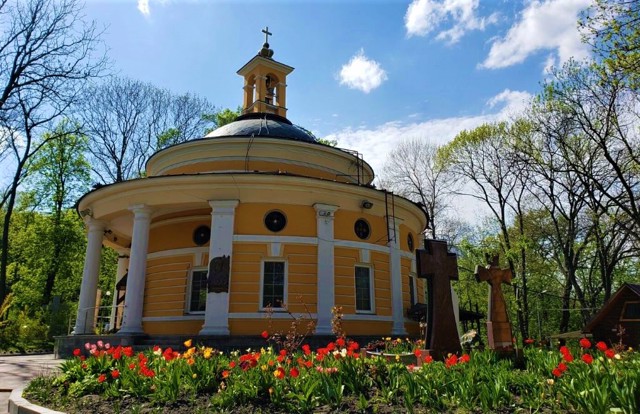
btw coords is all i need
(254, 219)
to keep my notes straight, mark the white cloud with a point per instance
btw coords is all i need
(543, 25)
(375, 143)
(514, 101)
(424, 16)
(362, 73)
(143, 7)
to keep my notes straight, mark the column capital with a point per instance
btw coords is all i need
(223, 206)
(140, 210)
(93, 224)
(325, 210)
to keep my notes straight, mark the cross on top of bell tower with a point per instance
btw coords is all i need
(265, 82)
(267, 33)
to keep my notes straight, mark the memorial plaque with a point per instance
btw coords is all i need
(218, 278)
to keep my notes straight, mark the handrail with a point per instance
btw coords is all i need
(98, 323)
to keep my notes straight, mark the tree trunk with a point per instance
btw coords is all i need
(54, 265)
(566, 299)
(4, 256)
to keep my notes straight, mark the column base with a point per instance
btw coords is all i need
(214, 331)
(397, 330)
(130, 331)
(323, 330)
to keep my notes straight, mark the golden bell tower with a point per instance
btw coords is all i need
(265, 82)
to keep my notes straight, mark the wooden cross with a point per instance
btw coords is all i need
(267, 33)
(439, 267)
(498, 326)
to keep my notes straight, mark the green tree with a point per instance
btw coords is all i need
(221, 118)
(46, 52)
(60, 173)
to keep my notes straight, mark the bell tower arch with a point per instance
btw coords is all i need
(265, 82)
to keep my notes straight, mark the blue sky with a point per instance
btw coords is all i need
(367, 73)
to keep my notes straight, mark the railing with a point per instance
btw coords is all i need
(101, 324)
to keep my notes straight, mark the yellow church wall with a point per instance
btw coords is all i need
(405, 266)
(344, 276)
(382, 283)
(301, 220)
(344, 227)
(166, 285)
(174, 235)
(246, 276)
(244, 292)
(256, 326)
(404, 236)
(188, 327)
(367, 328)
(413, 329)
(345, 262)
(263, 166)
(302, 268)
(421, 289)
(180, 214)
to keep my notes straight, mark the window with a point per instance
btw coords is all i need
(631, 311)
(273, 284)
(275, 221)
(410, 242)
(201, 235)
(362, 229)
(364, 289)
(198, 291)
(412, 289)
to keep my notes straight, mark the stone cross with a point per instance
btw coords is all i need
(498, 326)
(267, 33)
(439, 267)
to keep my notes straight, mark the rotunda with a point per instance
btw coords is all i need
(256, 218)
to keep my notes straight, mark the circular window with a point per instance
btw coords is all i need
(201, 235)
(275, 221)
(362, 229)
(410, 242)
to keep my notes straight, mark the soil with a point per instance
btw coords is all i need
(94, 404)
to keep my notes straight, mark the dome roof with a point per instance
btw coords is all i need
(262, 125)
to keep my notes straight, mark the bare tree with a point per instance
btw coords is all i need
(411, 171)
(47, 53)
(127, 120)
(483, 159)
(563, 195)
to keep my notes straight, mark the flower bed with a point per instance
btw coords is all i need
(337, 377)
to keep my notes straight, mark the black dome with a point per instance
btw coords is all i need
(262, 125)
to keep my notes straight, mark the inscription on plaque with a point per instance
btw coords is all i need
(218, 278)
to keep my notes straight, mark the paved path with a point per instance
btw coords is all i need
(16, 371)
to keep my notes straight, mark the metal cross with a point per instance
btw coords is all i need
(267, 33)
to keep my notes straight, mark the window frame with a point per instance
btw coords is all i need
(372, 290)
(624, 310)
(413, 289)
(285, 282)
(187, 306)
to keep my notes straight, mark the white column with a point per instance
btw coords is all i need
(89, 287)
(216, 317)
(326, 278)
(123, 265)
(134, 296)
(397, 310)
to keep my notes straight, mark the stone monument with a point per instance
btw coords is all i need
(438, 266)
(498, 326)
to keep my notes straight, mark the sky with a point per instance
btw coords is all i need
(368, 73)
